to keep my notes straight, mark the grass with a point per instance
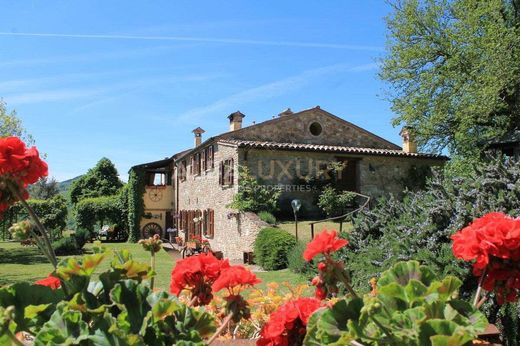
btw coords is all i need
(304, 228)
(19, 263)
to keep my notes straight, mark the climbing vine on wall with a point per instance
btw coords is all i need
(136, 189)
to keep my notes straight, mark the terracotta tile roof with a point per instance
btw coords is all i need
(329, 148)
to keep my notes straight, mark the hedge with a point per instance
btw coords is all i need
(272, 246)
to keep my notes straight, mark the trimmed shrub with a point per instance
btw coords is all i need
(267, 217)
(66, 246)
(272, 246)
(82, 236)
(296, 262)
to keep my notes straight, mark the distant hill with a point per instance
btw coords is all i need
(63, 186)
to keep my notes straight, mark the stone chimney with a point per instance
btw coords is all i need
(288, 111)
(198, 136)
(409, 145)
(235, 121)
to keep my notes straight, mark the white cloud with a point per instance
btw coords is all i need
(201, 40)
(273, 89)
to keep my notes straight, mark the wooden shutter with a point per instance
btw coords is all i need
(211, 157)
(211, 223)
(231, 171)
(204, 159)
(221, 173)
(205, 223)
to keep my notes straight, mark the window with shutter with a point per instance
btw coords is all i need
(211, 157)
(221, 173)
(182, 171)
(204, 158)
(205, 223)
(210, 220)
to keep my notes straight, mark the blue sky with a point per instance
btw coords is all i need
(129, 80)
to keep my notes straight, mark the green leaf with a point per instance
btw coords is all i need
(130, 296)
(23, 295)
(403, 272)
(331, 323)
(65, 327)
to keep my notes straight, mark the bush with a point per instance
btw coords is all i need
(335, 203)
(272, 246)
(419, 227)
(66, 246)
(296, 262)
(267, 217)
(82, 236)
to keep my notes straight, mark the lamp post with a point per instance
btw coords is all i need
(296, 204)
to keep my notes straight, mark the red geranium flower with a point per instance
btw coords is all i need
(20, 163)
(287, 325)
(50, 281)
(493, 243)
(235, 277)
(197, 274)
(324, 243)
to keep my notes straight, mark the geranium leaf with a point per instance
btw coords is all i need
(130, 296)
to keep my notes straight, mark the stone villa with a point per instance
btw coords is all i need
(191, 190)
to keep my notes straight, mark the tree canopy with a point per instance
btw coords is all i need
(44, 188)
(102, 180)
(11, 125)
(454, 71)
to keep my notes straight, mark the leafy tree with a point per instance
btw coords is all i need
(454, 71)
(335, 203)
(102, 180)
(253, 196)
(11, 125)
(45, 188)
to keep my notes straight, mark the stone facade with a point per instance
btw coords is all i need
(379, 169)
(375, 176)
(234, 234)
(296, 128)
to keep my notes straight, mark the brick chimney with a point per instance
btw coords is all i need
(288, 111)
(235, 121)
(409, 145)
(198, 136)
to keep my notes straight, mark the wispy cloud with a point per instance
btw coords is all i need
(273, 89)
(200, 40)
(102, 93)
(89, 57)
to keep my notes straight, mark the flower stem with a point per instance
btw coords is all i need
(13, 338)
(479, 289)
(344, 278)
(193, 301)
(221, 328)
(355, 343)
(152, 264)
(50, 252)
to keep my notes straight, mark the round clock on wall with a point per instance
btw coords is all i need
(155, 195)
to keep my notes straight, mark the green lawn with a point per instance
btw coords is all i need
(304, 228)
(19, 263)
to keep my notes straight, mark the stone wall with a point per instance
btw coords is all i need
(376, 175)
(383, 175)
(295, 128)
(233, 235)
